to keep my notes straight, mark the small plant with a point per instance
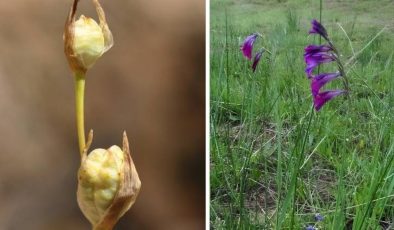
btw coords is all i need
(108, 182)
(247, 49)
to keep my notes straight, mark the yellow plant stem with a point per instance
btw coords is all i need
(79, 109)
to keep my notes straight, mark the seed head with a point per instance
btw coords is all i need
(85, 40)
(108, 185)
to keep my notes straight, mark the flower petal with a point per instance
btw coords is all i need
(256, 59)
(318, 28)
(312, 49)
(320, 80)
(247, 45)
(322, 98)
(313, 60)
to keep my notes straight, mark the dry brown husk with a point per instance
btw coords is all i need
(128, 190)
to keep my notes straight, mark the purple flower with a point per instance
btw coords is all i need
(320, 80)
(315, 55)
(318, 28)
(315, 59)
(319, 217)
(310, 227)
(256, 59)
(247, 45)
(322, 98)
(313, 49)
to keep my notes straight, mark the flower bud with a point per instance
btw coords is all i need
(108, 185)
(88, 41)
(85, 40)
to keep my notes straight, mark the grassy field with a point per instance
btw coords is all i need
(275, 162)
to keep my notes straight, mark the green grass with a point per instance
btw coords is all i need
(274, 162)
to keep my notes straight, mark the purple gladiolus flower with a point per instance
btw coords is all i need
(313, 49)
(320, 80)
(313, 60)
(318, 28)
(315, 55)
(321, 57)
(322, 98)
(256, 59)
(247, 45)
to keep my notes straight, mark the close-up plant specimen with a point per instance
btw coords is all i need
(108, 182)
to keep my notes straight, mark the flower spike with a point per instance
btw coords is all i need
(247, 50)
(315, 55)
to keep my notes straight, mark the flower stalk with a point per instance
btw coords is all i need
(79, 109)
(341, 68)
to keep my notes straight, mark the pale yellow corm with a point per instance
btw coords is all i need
(108, 184)
(99, 179)
(88, 42)
(85, 40)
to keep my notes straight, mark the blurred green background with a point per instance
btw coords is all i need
(151, 84)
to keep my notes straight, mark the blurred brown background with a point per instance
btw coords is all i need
(151, 84)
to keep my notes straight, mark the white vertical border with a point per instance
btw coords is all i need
(207, 107)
